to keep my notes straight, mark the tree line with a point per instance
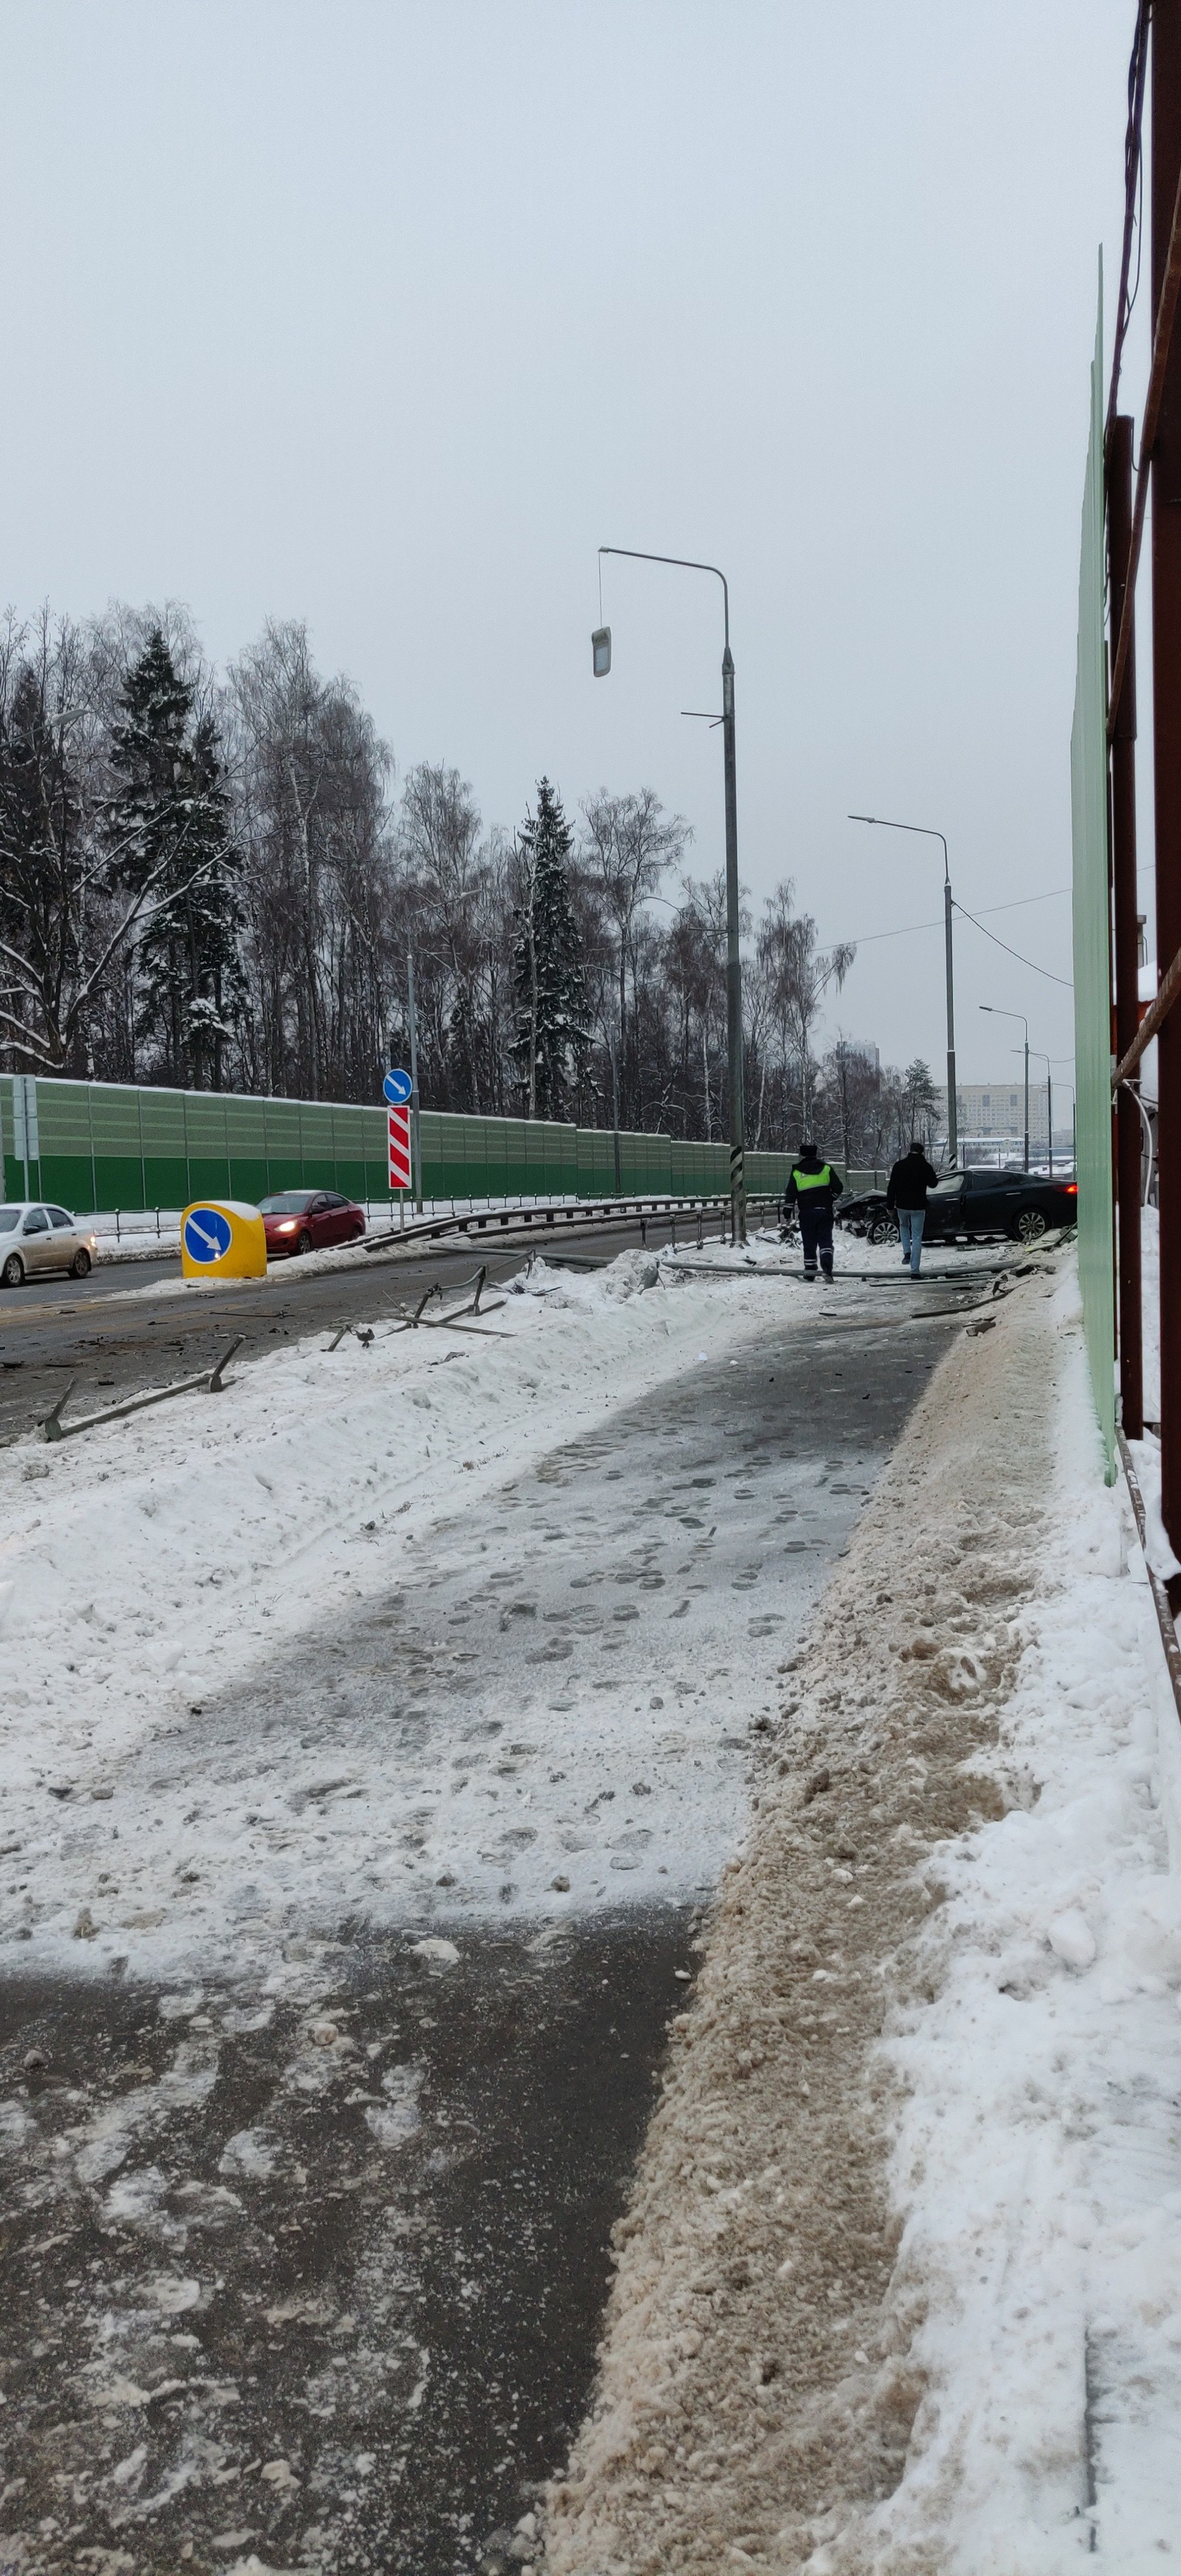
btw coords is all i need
(214, 880)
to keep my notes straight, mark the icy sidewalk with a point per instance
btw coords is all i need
(900, 2290)
(161, 1575)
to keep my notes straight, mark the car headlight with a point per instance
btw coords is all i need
(288, 1226)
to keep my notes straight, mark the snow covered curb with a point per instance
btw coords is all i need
(965, 1851)
(1039, 2159)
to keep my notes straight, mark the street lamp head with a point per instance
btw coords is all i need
(601, 651)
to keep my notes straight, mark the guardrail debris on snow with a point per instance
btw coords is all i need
(211, 1380)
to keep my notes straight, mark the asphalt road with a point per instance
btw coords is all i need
(110, 1334)
(312, 2267)
(114, 1338)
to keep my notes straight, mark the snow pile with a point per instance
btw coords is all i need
(1039, 2161)
(1146, 1460)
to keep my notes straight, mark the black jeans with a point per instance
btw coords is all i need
(816, 1237)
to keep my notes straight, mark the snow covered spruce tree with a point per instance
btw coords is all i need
(552, 1042)
(169, 822)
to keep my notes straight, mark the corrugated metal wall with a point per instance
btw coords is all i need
(97, 1145)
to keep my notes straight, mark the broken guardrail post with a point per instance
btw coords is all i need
(216, 1386)
(53, 1428)
(52, 1425)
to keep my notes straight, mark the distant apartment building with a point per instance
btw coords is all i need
(990, 1117)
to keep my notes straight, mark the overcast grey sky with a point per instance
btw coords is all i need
(386, 315)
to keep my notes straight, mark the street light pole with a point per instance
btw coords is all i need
(415, 1126)
(925, 833)
(685, 563)
(996, 1013)
(1044, 1058)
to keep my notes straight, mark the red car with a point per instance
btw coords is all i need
(309, 1221)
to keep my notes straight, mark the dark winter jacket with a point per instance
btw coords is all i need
(812, 1184)
(909, 1183)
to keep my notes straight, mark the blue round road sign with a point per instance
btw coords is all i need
(397, 1086)
(207, 1234)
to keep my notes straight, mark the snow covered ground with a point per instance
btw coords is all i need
(223, 1617)
(1039, 2160)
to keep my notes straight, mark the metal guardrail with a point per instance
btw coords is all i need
(577, 1212)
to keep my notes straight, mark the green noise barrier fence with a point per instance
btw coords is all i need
(1092, 939)
(103, 1145)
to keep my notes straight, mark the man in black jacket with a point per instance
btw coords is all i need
(812, 1187)
(906, 1196)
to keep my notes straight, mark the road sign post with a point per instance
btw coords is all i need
(399, 1127)
(398, 1087)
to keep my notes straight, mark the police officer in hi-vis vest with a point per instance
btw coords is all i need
(811, 1189)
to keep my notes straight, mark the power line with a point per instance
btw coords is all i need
(1064, 980)
(1017, 906)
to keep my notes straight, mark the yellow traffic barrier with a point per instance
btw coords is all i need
(223, 1239)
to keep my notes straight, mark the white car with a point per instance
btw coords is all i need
(35, 1236)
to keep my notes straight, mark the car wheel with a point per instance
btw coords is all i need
(1030, 1224)
(13, 1272)
(303, 1240)
(80, 1265)
(879, 1230)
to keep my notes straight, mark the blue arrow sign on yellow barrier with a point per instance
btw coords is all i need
(207, 1234)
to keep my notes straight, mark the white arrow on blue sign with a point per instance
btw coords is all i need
(397, 1086)
(207, 1234)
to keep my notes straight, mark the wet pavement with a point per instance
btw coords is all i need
(320, 2283)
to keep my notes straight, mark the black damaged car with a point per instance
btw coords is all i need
(1022, 1205)
(868, 1215)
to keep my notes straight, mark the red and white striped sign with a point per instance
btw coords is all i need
(399, 1148)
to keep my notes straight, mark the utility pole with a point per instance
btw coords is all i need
(953, 1123)
(733, 957)
(415, 1124)
(1127, 942)
(1027, 1100)
(615, 1112)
